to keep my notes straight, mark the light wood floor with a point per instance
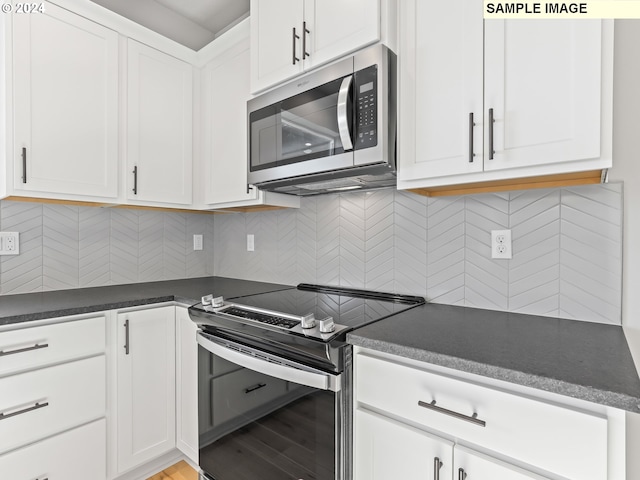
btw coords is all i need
(180, 471)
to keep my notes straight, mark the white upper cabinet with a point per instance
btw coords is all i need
(223, 131)
(225, 82)
(543, 82)
(290, 36)
(488, 100)
(65, 100)
(159, 134)
(441, 93)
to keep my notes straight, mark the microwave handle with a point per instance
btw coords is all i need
(314, 379)
(343, 119)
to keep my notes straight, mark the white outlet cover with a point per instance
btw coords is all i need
(501, 244)
(250, 243)
(197, 242)
(9, 243)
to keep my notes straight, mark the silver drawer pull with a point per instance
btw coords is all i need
(37, 346)
(461, 474)
(473, 418)
(255, 387)
(24, 410)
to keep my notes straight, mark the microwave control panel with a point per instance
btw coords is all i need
(366, 108)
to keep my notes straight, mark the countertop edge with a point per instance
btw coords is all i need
(66, 312)
(581, 392)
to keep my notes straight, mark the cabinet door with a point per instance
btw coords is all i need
(145, 385)
(473, 465)
(65, 79)
(385, 449)
(187, 384)
(441, 88)
(273, 44)
(543, 82)
(225, 95)
(337, 28)
(159, 133)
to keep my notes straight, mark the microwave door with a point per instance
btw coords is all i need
(303, 137)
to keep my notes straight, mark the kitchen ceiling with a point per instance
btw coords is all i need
(193, 23)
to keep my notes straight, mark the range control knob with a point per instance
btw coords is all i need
(326, 325)
(217, 302)
(308, 321)
(207, 299)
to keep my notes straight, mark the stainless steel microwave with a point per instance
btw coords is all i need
(333, 129)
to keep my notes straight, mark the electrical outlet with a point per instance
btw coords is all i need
(9, 243)
(250, 243)
(197, 242)
(501, 244)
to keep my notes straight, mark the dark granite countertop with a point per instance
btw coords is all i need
(589, 361)
(36, 306)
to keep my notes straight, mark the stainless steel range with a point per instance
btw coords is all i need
(275, 381)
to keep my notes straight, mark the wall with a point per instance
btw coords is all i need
(626, 166)
(68, 246)
(567, 248)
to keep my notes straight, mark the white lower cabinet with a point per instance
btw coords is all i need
(475, 465)
(385, 449)
(146, 385)
(187, 385)
(77, 454)
(53, 400)
(43, 402)
(410, 413)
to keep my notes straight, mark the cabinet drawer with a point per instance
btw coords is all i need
(44, 345)
(79, 454)
(37, 404)
(239, 392)
(567, 442)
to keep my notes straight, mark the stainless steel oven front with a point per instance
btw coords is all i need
(264, 417)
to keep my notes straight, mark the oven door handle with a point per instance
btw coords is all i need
(309, 377)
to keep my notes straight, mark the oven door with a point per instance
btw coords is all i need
(264, 417)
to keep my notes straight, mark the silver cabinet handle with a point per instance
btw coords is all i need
(294, 38)
(471, 125)
(343, 119)
(305, 30)
(126, 337)
(472, 419)
(461, 474)
(37, 346)
(37, 406)
(24, 164)
(491, 122)
(437, 465)
(135, 180)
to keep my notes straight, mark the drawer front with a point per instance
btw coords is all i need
(239, 392)
(34, 347)
(47, 401)
(79, 454)
(558, 439)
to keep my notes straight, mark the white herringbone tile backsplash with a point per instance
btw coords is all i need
(69, 247)
(567, 245)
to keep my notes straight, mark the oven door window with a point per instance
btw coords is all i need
(257, 426)
(299, 128)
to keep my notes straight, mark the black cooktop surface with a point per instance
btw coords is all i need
(347, 306)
